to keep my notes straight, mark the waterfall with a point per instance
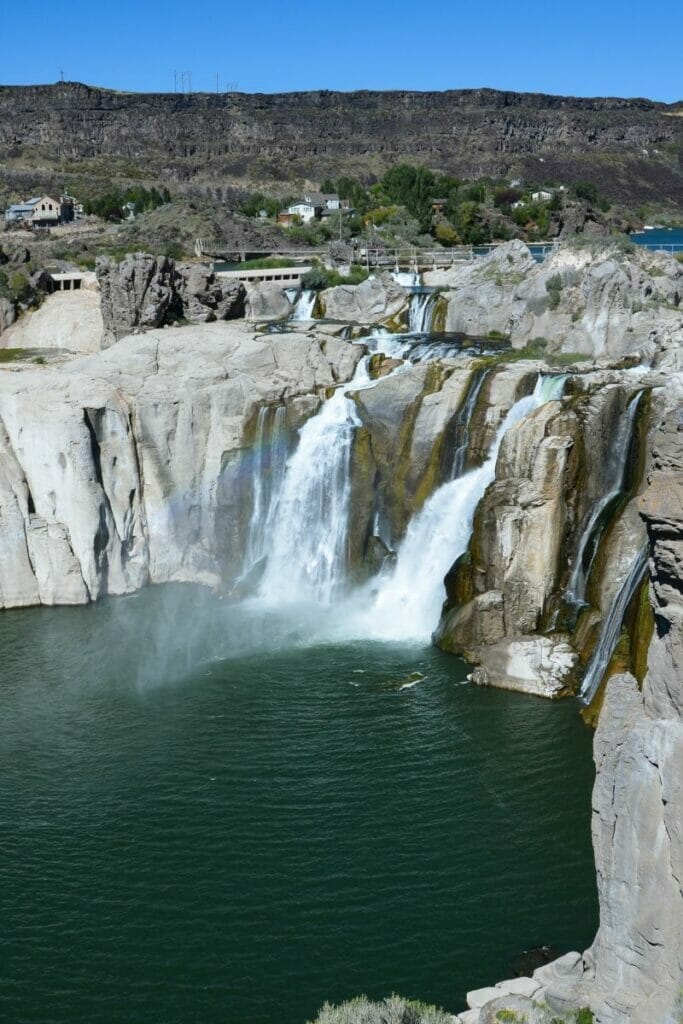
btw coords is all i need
(462, 424)
(406, 278)
(616, 485)
(408, 599)
(421, 312)
(611, 627)
(306, 540)
(268, 470)
(303, 309)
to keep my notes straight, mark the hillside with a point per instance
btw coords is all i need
(631, 149)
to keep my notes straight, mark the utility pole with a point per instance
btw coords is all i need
(182, 81)
(61, 76)
(189, 78)
(175, 81)
(217, 89)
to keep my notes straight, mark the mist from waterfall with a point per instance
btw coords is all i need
(408, 598)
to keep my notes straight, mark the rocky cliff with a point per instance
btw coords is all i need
(594, 300)
(297, 136)
(127, 467)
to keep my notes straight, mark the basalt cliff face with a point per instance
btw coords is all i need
(298, 136)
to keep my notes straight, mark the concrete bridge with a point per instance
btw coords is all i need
(287, 275)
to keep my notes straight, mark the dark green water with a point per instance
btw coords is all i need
(203, 821)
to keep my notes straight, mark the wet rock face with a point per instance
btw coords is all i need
(505, 604)
(143, 292)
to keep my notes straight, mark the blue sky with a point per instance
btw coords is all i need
(580, 48)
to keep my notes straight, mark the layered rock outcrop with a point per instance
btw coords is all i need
(213, 138)
(125, 467)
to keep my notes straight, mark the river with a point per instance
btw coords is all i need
(206, 816)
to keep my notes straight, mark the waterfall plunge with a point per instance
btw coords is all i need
(408, 600)
(307, 539)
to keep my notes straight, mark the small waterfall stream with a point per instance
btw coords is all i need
(421, 311)
(462, 425)
(408, 599)
(616, 485)
(611, 627)
(303, 310)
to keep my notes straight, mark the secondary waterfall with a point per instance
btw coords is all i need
(616, 485)
(421, 312)
(462, 424)
(303, 310)
(306, 541)
(611, 627)
(268, 471)
(408, 600)
(406, 278)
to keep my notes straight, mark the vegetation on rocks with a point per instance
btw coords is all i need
(392, 1010)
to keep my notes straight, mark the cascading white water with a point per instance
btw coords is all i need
(421, 312)
(303, 309)
(307, 539)
(408, 599)
(269, 464)
(611, 627)
(576, 589)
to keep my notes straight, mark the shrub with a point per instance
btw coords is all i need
(553, 286)
(392, 1010)
(446, 234)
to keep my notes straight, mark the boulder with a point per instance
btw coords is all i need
(374, 300)
(143, 292)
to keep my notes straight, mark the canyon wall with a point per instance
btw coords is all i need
(628, 147)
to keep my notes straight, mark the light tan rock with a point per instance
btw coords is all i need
(69, 320)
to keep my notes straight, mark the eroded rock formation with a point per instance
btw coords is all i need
(602, 303)
(143, 292)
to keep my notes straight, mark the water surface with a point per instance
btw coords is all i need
(206, 816)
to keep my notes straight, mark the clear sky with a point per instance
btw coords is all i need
(581, 47)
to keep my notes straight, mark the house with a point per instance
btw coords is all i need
(47, 212)
(313, 206)
(518, 204)
(542, 196)
(44, 211)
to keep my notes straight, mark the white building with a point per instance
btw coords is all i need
(314, 206)
(542, 196)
